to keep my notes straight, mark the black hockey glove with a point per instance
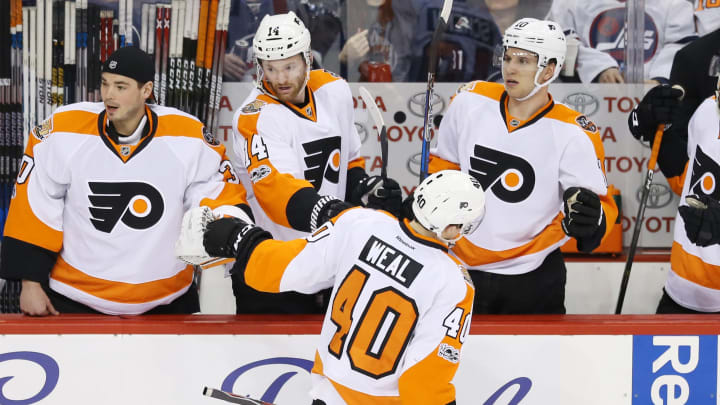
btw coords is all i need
(583, 213)
(378, 193)
(325, 209)
(702, 220)
(660, 105)
(233, 237)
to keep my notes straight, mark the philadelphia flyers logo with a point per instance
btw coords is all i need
(705, 175)
(138, 205)
(323, 161)
(510, 177)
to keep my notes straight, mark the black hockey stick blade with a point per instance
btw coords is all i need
(232, 398)
(379, 124)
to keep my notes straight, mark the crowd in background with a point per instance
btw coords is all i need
(388, 40)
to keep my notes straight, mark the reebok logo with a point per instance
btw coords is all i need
(138, 205)
(511, 178)
(322, 161)
(705, 175)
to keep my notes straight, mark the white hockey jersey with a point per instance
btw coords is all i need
(400, 308)
(280, 149)
(524, 167)
(113, 211)
(707, 16)
(600, 25)
(694, 281)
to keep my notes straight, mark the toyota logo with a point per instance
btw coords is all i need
(582, 102)
(659, 196)
(362, 132)
(413, 164)
(416, 104)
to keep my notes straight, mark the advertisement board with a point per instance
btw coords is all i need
(495, 369)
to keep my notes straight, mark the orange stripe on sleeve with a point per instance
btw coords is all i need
(117, 291)
(676, 183)
(359, 162)
(273, 189)
(268, 262)
(437, 164)
(476, 256)
(22, 224)
(429, 381)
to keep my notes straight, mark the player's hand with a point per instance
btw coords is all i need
(356, 47)
(583, 212)
(702, 220)
(661, 105)
(234, 67)
(233, 237)
(378, 193)
(325, 209)
(610, 75)
(34, 301)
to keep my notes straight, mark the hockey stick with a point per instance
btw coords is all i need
(641, 212)
(232, 398)
(380, 125)
(432, 67)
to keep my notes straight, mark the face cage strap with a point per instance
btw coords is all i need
(259, 74)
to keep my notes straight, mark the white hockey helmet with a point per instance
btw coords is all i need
(542, 37)
(449, 197)
(280, 36)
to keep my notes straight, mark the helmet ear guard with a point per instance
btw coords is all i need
(449, 197)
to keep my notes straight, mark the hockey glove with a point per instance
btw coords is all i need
(325, 209)
(189, 246)
(233, 237)
(660, 105)
(378, 193)
(702, 220)
(583, 213)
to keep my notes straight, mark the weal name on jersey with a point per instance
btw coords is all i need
(390, 261)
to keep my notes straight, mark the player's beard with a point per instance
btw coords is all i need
(294, 88)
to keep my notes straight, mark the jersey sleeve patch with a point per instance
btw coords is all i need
(209, 138)
(586, 124)
(449, 353)
(43, 131)
(253, 107)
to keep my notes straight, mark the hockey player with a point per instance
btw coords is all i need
(532, 157)
(296, 139)
(600, 28)
(100, 195)
(692, 167)
(401, 306)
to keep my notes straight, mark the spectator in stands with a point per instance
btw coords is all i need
(506, 12)
(245, 16)
(600, 27)
(380, 49)
(707, 16)
(466, 49)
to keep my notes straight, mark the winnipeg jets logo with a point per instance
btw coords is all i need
(323, 161)
(138, 205)
(705, 175)
(608, 31)
(510, 177)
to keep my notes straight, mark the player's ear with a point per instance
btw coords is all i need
(549, 71)
(146, 90)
